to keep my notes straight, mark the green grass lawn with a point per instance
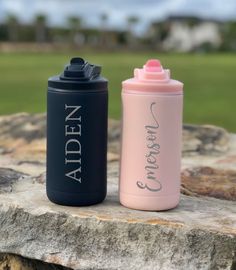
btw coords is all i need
(209, 82)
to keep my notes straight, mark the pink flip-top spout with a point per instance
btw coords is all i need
(152, 70)
(152, 77)
(153, 65)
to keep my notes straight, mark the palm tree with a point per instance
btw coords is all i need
(104, 36)
(40, 27)
(75, 26)
(132, 21)
(104, 20)
(12, 27)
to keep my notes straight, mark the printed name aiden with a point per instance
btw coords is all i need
(73, 145)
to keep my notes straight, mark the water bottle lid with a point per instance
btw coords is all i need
(79, 69)
(79, 75)
(152, 78)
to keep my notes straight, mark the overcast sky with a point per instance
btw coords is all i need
(117, 10)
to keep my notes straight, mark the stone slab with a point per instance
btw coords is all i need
(199, 234)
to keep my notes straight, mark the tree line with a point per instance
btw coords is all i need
(75, 32)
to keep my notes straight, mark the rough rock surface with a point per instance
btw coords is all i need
(199, 234)
(210, 182)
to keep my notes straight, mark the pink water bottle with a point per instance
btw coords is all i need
(151, 139)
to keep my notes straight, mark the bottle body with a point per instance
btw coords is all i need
(150, 150)
(76, 146)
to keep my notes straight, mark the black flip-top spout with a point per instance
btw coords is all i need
(79, 75)
(80, 70)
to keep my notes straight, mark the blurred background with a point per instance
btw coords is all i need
(196, 39)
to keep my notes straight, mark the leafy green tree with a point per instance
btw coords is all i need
(229, 36)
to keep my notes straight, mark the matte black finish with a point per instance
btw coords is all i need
(77, 105)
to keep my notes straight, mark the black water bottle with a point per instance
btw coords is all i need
(77, 105)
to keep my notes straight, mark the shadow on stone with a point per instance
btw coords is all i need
(16, 262)
(8, 178)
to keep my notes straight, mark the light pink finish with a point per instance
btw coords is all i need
(151, 139)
